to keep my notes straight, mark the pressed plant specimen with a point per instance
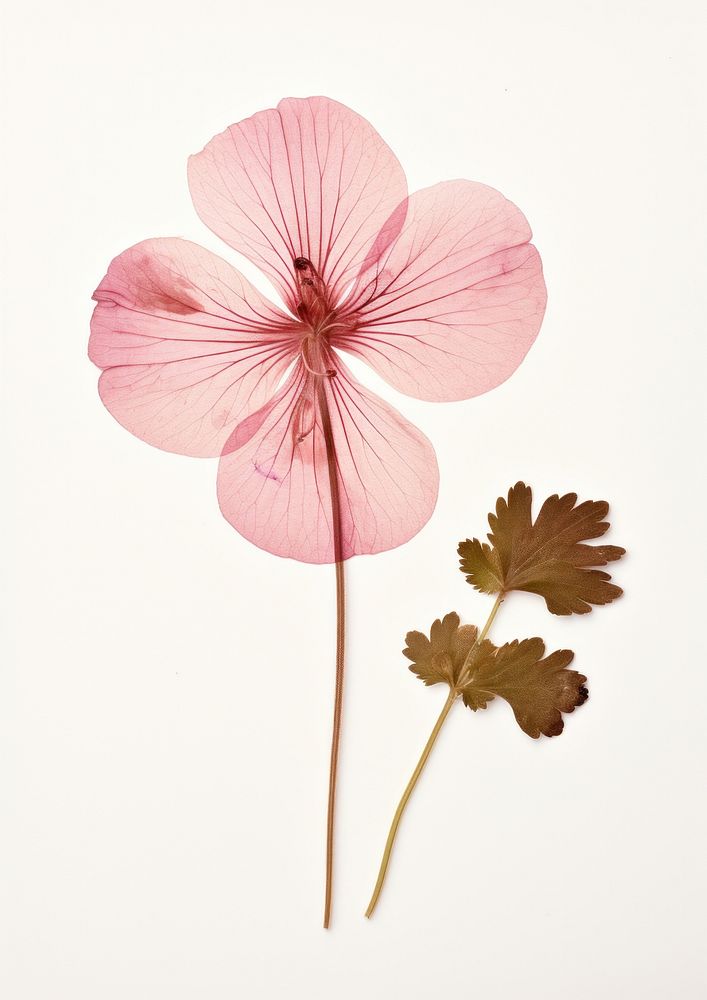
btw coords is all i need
(440, 292)
(548, 557)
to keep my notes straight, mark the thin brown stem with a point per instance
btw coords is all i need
(452, 697)
(340, 641)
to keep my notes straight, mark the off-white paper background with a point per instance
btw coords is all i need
(166, 687)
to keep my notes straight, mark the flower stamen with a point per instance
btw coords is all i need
(327, 373)
(312, 342)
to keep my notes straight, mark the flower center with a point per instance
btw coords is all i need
(318, 317)
(313, 308)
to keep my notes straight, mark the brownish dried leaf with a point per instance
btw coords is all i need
(440, 658)
(538, 689)
(546, 557)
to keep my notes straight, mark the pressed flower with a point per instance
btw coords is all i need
(440, 292)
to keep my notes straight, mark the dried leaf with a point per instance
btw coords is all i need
(546, 557)
(440, 658)
(537, 689)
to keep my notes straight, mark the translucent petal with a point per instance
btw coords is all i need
(274, 486)
(453, 305)
(308, 179)
(187, 345)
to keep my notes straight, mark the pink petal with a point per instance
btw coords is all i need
(189, 347)
(273, 481)
(308, 179)
(456, 301)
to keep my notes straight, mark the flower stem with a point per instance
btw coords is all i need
(452, 697)
(335, 737)
(340, 641)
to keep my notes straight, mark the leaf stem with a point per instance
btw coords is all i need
(451, 698)
(464, 672)
(490, 620)
(340, 642)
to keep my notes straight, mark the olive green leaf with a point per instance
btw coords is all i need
(538, 688)
(545, 557)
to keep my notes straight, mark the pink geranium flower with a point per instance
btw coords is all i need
(440, 292)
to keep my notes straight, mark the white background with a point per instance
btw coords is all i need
(166, 687)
